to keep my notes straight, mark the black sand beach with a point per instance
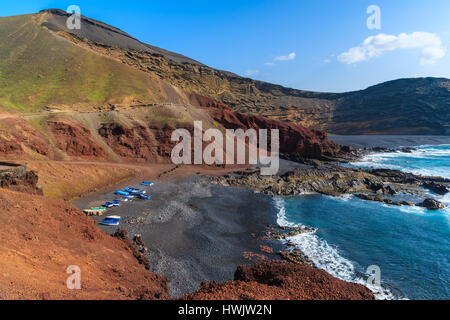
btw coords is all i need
(389, 141)
(194, 231)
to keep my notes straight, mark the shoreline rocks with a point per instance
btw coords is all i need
(371, 197)
(281, 233)
(436, 187)
(335, 180)
(431, 204)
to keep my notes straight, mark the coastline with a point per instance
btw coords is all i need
(196, 231)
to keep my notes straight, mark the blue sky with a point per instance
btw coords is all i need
(311, 39)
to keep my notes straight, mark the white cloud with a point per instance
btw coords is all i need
(290, 56)
(269, 64)
(374, 46)
(251, 72)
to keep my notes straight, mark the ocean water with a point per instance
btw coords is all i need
(410, 245)
(427, 160)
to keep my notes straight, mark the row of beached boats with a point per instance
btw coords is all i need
(125, 194)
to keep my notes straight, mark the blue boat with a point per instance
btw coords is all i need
(110, 222)
(128, 197)
(147, 184)
(113, 218)
(144, 197)
(134, 190)
(121, 193)
(111, 204)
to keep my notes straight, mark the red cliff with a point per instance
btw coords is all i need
(279, 280)
(296, 142)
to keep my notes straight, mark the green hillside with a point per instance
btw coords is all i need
(39, 68)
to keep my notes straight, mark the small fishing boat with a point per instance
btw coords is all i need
(144, 197)
(114, 218)
(147, 184)
(121, 193)
(128, 197)
(134, 191)
(99, 209)
(112, 204)
(110, 222)
(94, 211)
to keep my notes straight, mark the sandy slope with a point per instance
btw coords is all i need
(40, 238)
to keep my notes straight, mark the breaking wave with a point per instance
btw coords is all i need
(325, 256)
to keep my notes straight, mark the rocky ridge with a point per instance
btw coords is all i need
(335, 180)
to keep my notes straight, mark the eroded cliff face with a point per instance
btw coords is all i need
(18, 178)
(131, 144)
(296, 142)
(75, 140)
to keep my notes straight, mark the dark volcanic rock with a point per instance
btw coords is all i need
(431, 204)
(377, 198)
(408, 150)
(281, 280)
(17, 178)
(436, 187)
(335, 180)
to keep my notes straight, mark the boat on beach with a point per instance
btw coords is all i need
(134, 191)
(144, 197)
(112, 204)
(110, 222)
(95, 211)
(121, 193)
(114, 218)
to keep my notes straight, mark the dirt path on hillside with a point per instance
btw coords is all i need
(71, 180)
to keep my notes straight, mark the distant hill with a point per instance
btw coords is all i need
(405, 106)
(40, 68)
(43, 64)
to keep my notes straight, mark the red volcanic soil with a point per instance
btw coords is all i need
(132, 144)
(17, 134)
(41, 237)
(75, 140)
(296, 141)
(142, 144)
(280, 280)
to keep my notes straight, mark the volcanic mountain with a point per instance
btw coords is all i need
(97, 94)
(45, 66)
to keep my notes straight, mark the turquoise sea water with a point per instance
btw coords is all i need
(410, 245)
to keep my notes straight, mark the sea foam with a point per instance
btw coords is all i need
(325, 256)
